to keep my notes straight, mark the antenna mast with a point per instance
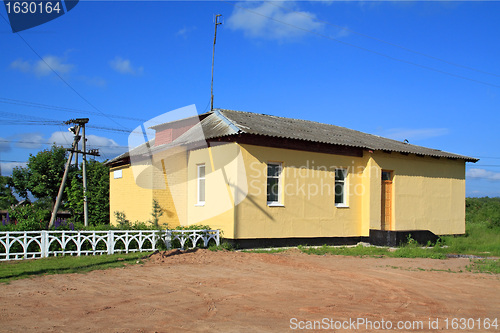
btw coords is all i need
(217, 22)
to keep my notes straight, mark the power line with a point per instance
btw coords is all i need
(60, 77)
(63, 109)
(59, 124)
(50, 143)
(9, 161)
(25, 117)
(364, 48)
(383, 41)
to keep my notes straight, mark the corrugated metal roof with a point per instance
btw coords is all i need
(223, 122)
(261, 124)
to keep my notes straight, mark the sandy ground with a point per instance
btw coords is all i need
(205, 291)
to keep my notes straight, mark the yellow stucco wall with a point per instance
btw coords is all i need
(223, 164)
(126, 196)
(307, 195)
(428, 193)
(170, 185)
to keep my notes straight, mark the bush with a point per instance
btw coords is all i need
(29, 217)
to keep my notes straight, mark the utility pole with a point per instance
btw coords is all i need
(76, 131)
(217, 22)
(84, 171)
(80, 124)
(76, 157)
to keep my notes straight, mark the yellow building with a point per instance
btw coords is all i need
(266, 180)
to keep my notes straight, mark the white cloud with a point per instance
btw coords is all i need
(49, 63)
(414, 134)
(184, 31)
(343, 32)
(29, 140)
(483, 174)
(43, 67)
(273, 22)
(7, 167)
(21, 65)
(108, 148)
(4, 145)
(124, 66)
(61, 138)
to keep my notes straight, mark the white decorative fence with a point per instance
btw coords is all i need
(15, 245)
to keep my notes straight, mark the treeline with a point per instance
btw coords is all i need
(40, 179)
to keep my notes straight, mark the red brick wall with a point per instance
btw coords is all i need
(171, 132)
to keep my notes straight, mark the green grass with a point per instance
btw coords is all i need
(482, 235)
(491, 266)
(13, 270)
(346, 251)
(480, 239)
(415, 251)
(224, 246)
(277, 250)
(407, 251)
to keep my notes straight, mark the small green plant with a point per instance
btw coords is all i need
(224, 246)
(121, 218)
(157, 212)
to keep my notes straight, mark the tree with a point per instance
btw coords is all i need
(42, 175)
(97, 193)
(7, 199)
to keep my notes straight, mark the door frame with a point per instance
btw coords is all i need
(384, 215)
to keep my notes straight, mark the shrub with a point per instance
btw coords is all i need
(121, 218)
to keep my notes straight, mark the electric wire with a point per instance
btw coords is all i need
(50, 143)
(65, 109)
(60, 77)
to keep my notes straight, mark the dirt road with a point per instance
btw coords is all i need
(205, 291)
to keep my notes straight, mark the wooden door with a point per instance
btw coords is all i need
(386, 200)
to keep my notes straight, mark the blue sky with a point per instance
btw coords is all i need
(428, 72)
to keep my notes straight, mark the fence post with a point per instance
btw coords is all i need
(43, 244)
(111, 244)
(168, 239)
(7, 246)
(79, 246)
(218, 238)
(25, 246)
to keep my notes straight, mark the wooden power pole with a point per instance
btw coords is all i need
(80, 124)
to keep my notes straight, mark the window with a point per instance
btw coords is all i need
(201, 185)
(117, 174)
(340, 188)
(274, 184)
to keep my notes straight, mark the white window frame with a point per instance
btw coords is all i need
(198, 181)
(345, 188)
(117, 174)
(279, 202)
